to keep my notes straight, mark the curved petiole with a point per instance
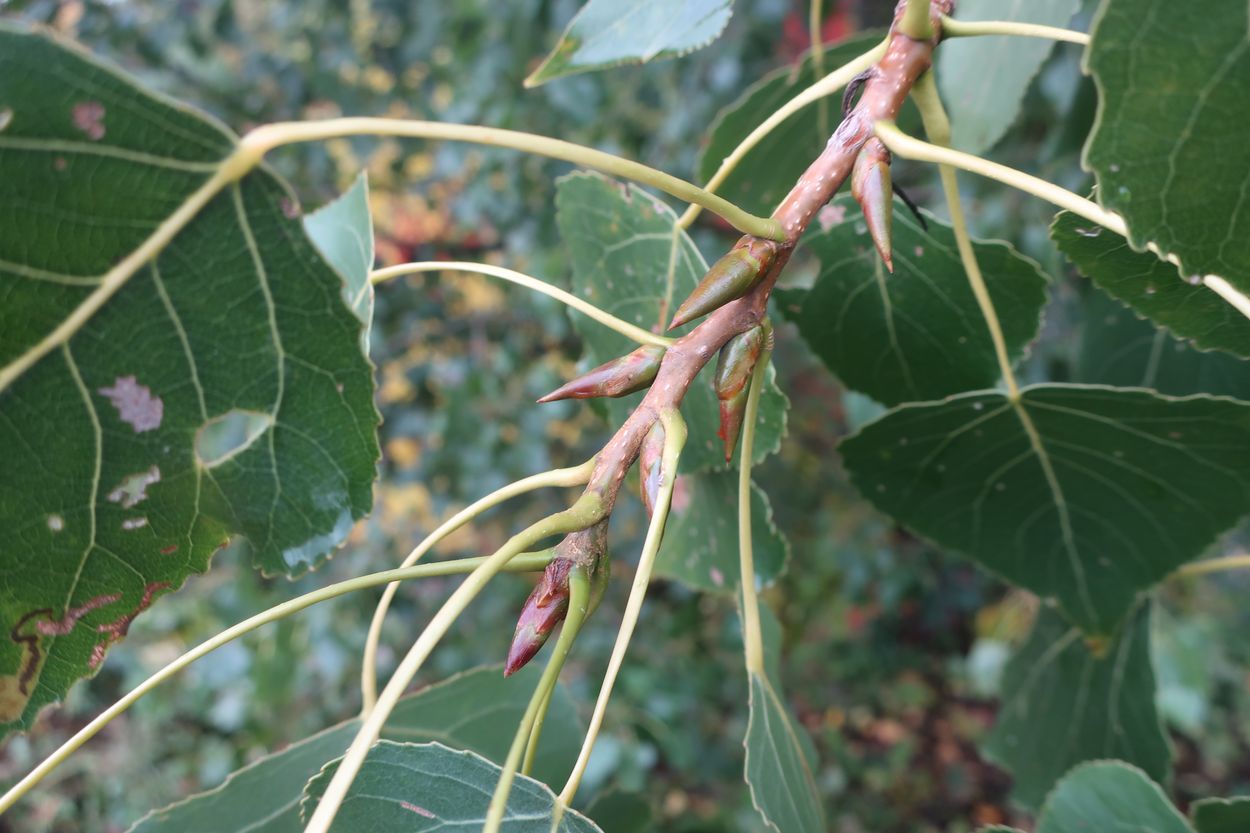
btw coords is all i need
(585, 512)
(579, 605)
(674, 440)
(752, 634)
(937, 126)
(522, 563)
(267, 137)
(955, 28)
(909, 147)
(1215, 565)
(575, 476)
(604, 317)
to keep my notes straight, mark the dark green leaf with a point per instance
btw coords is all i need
(915, 334)
(475, 710)
(1218, 815)
(1106, 796)
(607, 33)
(1089, 495)
(1152, 287)
(983, 79)
(236, 333)
(427, 787)
(769, 171)
(1169, 148)
(1062, 704)
(777, 771)
(343, 231)
(700, 545)
(1118, 348)
(620, 239)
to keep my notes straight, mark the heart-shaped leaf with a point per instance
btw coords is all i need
(218, 390)
(777, 770)
(916, 333)
(607, 33)
(1088, 495)
(1169, 148)
(1063, 704)
(621, 240)
(427, 787)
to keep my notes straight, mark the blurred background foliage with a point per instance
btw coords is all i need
(892, 651)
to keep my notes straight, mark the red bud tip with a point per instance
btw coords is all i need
(871, 187)
(619, 377)
(732, 411)
(544, 609)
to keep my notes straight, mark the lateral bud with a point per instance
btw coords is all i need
(730, 278)
(871, 187)
(733, 372)
(628, 374)
(650, 468)
(548, 603)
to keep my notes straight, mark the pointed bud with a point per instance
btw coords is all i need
(628, 374)
(545, 608)
(870, 185)
(730, 278)
(649, 468)
(548, 604)
(733, 371)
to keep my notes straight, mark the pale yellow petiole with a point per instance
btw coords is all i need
(579, 603)
(674, 440)
(585, 512)
(605, 318)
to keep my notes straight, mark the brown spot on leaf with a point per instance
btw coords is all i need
(135, 404)
(62, 626)
(88, 117)
(120, 626)
(170, 550)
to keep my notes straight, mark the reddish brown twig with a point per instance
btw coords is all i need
(884, 90)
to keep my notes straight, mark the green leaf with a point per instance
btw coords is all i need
(1169, 147)
(983, 79)
(1218, 815)
(915, 334)
(1063, 704)
(620, 239)
(1109, 795)
(1151, 287)
(473, 710)
(427, 787)
(607, 33)
(1118, 348)
(343, 232)
(617, 811)
(769, 171)
(221, 391)
(1089, 495)
(700, 545)
(783, 788)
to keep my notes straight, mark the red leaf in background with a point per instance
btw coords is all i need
(796, 37)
